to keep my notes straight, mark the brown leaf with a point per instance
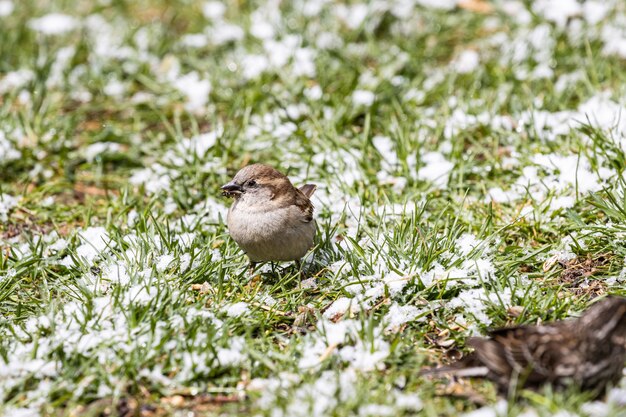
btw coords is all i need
(216, 244)
(176, 401)
(463, 390)
(476, 6)
(90, 125)
(578, 275)
(84, 189)
(515, 311)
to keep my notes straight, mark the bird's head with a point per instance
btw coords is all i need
(257, 183)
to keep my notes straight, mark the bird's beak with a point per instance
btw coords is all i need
(231, 189)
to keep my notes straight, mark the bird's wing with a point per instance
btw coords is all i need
(303, 202)
(539, 353)
(604, 317)
(527, 354)
(491, 354)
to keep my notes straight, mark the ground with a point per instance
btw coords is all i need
(469, 157)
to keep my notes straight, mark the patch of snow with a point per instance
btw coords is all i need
(410, 402)
(436, 169)
(8, 151)
(557, 11)
(95, 241)
(7, 203)
(6, 8)
(237, 309)
(54, 24)
(254, 65)
(438, 4)
(164, 262)
(376, 410)
(338, 308)
(222, 33)
(213, 10)
(199, 145)
(195, 89)
(466, 243)
(96, 149)
(466, 62)
(594, 11)
(497, 410)
(313, 93)
(399, 315)
(15, 80)
(363, 98)
(385, 146)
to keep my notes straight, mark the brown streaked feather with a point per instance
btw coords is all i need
(304, 204)
(588, 352)
(490, 354)
(607, 316)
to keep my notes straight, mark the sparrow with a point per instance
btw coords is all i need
(588, 352)
(270, 219)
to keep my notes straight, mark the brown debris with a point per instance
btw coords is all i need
(176, 401)
(464, 390)
(581, 268)
(199, 403)
(515, 311)
(204, 288)
(305, 316)
(23, 221)
(591, 289)
(454, 355)
(133, 407)
(82, 189)
(440, 338)
(476, 6)
(577, 274)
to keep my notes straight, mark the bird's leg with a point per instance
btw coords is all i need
(302, 273)
(251, 267)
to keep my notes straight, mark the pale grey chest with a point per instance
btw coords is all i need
(281, 234)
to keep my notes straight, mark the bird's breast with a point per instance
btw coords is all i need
(280, 234)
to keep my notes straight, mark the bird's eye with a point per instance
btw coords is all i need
(251, 183)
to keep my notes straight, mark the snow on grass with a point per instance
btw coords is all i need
(467, 61)
(6, 8)
(363, 98)
(436, 169)
(463, 156)
(7, 203)
(53, 24)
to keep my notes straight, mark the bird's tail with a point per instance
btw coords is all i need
(308, 189)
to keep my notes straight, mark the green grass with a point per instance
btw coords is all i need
(121, 291)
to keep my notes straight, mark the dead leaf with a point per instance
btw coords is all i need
(304, 316)
(515, 311)
(329, 350)
(91, 125)
(462, 389)
(84, 189)
(176, 401)
(476, 6)
(578, 275)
